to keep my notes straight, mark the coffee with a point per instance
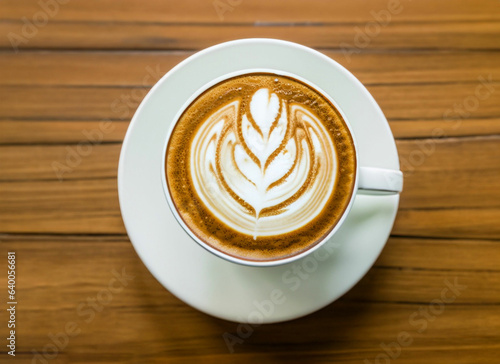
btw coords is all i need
(260, 166)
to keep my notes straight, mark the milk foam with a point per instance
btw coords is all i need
(267, 170)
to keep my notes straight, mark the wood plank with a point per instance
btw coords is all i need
(90, 68)
(449, 223)
(65, 210)
(60, 162)
(428, 128)
(443, 101)
(433, 176)
(450, 173)
(81, 103)
(452, 102)
(27, 358)
(98, 258)
(396, 35)
(393, 285)
(441, 195)
(87, 206)
(91, 207)
(440, 254)
(293, 11)
(58, 131)
(459, 354)
(418, 275)
(135, 68)
(13, 132)
(341, 327)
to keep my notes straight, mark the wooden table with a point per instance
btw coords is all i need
(433, 66)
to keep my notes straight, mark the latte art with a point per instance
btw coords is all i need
(260, 166)
(263, 171)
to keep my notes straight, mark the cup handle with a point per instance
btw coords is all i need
(379, 181)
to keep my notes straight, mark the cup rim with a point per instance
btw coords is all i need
(255, 263)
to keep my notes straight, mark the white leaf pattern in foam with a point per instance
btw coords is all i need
(281, 164)
(264, 108)
(242, 186)
(263, 142)
(296, 179)
(230, 174)
(263, 139)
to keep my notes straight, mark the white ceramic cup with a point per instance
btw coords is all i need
(368, 180)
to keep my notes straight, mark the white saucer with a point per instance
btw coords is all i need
(211, 284)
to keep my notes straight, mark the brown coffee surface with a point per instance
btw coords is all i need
(232, 99)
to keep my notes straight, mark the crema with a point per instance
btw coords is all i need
(260, 166)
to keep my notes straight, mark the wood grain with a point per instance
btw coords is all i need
(434, 180)
(408, 102)
(428, 65)
(90, 206)
(287, 11)
(409, 129)
(119, 68)
(449, 223)
(62, 131)
(411, 280)
(156, 36)
(87, 206)
(72, 131)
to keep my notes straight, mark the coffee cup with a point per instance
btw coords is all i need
(260, 166)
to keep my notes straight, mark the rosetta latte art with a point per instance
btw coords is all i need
(267, 169)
